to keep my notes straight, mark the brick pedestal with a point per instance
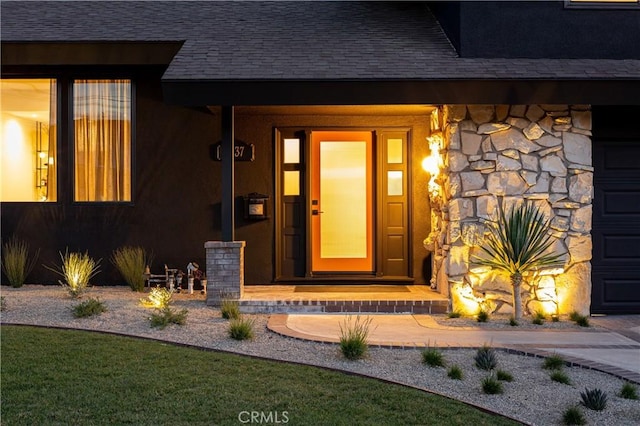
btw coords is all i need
(225, 270)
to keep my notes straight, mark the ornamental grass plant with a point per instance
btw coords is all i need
(354, 336)
(17, 264)
(88, 308)
(76, 269)
(131, 263)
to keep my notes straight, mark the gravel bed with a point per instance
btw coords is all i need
(532, 398)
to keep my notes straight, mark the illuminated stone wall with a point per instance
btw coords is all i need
(509, 154)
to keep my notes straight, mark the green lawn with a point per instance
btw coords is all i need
(73, 377)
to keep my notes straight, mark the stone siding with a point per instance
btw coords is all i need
(501, 153)
(225, 270)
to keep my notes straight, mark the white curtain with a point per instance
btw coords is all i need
(102, 122)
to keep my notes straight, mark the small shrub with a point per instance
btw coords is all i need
(433, 357)
(581, 320)
(89, 308)
(555, 318)
(537, 321)
(454, 314)
(158, 298)
(513, 322)
(560, 377)
(241, 328)
(483, 316)
(76, 269)
(628, 391)
(554, 362)
(353, 337)
(491, 386)
(485, 358)
(504, 376)
(163, 317)
(455, 372)
(594, 399)
(16, 262)
(230, 309)
(540, 315)
(131, 262)
(573, 416)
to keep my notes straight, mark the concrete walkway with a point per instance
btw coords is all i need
(613, 348)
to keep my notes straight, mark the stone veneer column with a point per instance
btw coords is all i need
(225, 270)
(519, 152)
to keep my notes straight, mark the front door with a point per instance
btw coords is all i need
(341, 202)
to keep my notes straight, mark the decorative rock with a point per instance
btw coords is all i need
(581, 188)
(495, 281)
(506, 183)
(486, 145)
(557, 197)
(457, 112)
(475, 158)
(488, 128)
(530, 177)
(560, 223)
(536, 196)
(577, 148)
(460, 208)
(579, 248)
(581, 220)
(548, 151)
(471, 180)
(454, 232)
(490, 156)
(468, 126)
(581, 119)
(529, 162)
(475, 193)
(517, 110)
(505, 163)
(482, 165)
(561, 127)
(455, 186)
(512, 138)
(486, 206)
(554, 165)
(502, 111)
(564, 213)
(543, 184)
(565, 205)
(481, 114)
(574, 289)
(533, 131)
(511, 153)
(548, 141)
(473, 234)
(581, 131)
(559, 184)
(546, 124)
(454, 136)
(520, 123)
(457, 161)
(470, 143)
(534, 113)
(458, 260)
(577, 167)
(562, 120)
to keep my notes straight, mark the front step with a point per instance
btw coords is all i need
(345, 306)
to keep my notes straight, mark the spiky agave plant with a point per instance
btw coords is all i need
(516, 244)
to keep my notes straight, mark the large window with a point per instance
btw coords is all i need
(102, 140)
(28, 137)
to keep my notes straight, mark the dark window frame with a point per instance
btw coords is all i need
(605, 5)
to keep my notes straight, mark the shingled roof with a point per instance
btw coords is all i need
(288, 41)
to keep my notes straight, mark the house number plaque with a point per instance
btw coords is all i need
(241, 151)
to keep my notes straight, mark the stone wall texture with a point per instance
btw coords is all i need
(507, 154)
(225, 270)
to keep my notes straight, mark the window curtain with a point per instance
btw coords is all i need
(52, 175)
(102, 122)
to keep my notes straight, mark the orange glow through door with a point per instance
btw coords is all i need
(341, 201)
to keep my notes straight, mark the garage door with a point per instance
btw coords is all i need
(616, 226)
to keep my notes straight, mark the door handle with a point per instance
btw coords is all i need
(316, 212)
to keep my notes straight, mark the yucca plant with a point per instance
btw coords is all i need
(16, 262)
(486, 358)
(131, 261)
(76, 269)
(517, 244)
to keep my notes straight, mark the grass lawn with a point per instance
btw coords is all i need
(74, 377)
